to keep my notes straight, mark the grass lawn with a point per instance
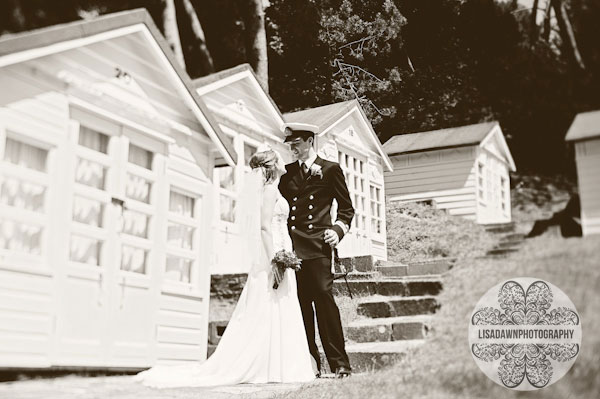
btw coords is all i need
(444, 368)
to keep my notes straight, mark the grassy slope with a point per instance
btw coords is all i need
(444, 368)
(419, 232)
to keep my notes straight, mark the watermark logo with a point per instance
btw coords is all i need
(525, 334)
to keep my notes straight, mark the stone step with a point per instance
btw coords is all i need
(371, 356)
(379, 306)
(388, 329)
(500, 227)
(393, 269)
(356, 276)
(389, 287)
(501, 251)
(356, 264)
(421, 268)
(508, 245)
(516, 237)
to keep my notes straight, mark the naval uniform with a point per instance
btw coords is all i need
(310, 197)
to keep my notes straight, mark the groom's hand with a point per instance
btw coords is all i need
(331, 237)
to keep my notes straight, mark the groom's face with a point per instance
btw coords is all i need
(300, 148)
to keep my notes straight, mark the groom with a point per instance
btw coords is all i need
(310, 186)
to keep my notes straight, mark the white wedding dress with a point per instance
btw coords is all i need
(265, 340)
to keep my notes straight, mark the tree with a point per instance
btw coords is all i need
(198, 40)
(171, 30)
(256, 40)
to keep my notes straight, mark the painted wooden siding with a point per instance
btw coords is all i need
(446, 176)
(181, 332)
(26, 317)
(588, 175)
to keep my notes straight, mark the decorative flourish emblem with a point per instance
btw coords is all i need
(527, 343)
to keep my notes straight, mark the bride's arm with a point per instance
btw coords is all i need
(266, 216)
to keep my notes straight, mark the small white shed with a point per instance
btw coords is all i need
(465, 170)
(346, 136)
(106, 197)
(585, 134)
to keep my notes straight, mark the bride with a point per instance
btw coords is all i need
(265, 340)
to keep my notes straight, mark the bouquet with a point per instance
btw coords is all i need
(283, 260)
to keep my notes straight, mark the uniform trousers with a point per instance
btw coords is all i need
(315, 282)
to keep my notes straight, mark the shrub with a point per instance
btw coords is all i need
(417, 231)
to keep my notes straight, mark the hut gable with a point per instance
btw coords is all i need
(236, 97)
(348, 123)
(121, 55)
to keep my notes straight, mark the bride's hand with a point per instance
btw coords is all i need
(277, 276)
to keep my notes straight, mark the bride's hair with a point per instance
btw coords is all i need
(267, 160)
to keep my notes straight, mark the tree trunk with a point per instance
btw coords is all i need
(533, 22)
(566, 32)
(547, 24)
(206, 59)
(256, 41)
(171, 30)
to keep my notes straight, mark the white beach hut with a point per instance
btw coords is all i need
(106, 160)
(465, 170)
(346, 136)
(584, 133)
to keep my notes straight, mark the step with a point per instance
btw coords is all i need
(501, 251)
(371, 356)
(500, 227)
(393, 270)
(377, 307)
(356, 276)
(508, 245)
(388, 329)
(421, 268)
(389, 287)
(517, 237)
(357, 263)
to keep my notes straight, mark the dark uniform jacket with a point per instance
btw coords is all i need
(310, 201)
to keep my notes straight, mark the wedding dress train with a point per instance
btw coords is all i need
(265, 340)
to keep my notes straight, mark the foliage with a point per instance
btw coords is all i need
(427, 64)
(311, 62)
(416, 231)
(444, 368)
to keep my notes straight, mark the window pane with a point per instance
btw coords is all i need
(226, 177)
(93, 139)
(88, 211)
(138, 188)
(25, 155)
(85, 250)
(21, 237)
(133, 259)
(140, 156)
(135, 223)
(178, 269)
(90, 173)
(180, 236)
(227, 208)
(22, 194)
(181, 204)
